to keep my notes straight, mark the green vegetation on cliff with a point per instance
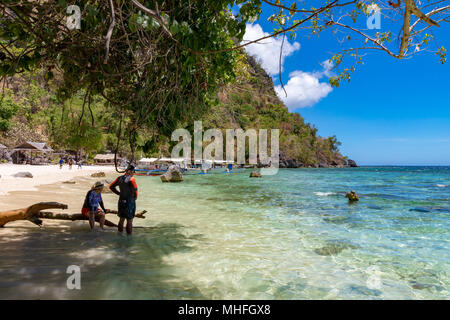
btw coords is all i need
(251, 102)
(87, 125)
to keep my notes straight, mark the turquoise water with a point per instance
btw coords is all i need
(288, 236)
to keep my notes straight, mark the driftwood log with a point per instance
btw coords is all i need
(34, 214)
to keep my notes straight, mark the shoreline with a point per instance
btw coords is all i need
(42, 175)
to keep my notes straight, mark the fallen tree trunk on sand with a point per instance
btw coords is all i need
(29, 213)
(34, 214)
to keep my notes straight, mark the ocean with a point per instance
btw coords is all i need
(227, 236)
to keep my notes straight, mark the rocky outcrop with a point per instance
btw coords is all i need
(173, 174)
(25, 174)
(351, 163)
(337, 162)
(289, 162)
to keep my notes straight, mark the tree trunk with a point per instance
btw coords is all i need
(29, 213)
(34, 214)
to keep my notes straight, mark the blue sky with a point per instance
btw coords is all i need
(392, 111)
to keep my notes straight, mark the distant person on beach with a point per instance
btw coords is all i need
(61, 162)
(70, 164)
(91, 204)
(127, 198)
(79, 163)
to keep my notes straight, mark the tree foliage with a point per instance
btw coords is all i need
(148, 69)
(8, 109)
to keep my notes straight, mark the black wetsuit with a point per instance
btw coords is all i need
(127, 195)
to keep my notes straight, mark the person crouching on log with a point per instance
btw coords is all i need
(127, 198)
(91, 205)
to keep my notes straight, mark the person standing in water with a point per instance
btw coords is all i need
(127, 198)
(91, 205)
(61, 162)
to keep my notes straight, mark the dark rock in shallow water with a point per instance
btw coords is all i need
(323, 165)
(419, 210)
(422, 286)
(352, 196)
(173, 174)
(334, 248)
(337, 220)
(365, 290)
(255, 174)
(375, 207)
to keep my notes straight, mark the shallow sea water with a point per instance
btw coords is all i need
(226, 236)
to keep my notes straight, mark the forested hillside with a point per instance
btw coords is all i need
(32, 110)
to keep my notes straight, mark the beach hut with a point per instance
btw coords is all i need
(105, 159)
(31, 152)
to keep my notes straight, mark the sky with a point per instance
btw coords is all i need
(392, 112)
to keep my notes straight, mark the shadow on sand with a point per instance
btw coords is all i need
(33, 263)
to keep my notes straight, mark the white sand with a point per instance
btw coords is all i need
(45, 174)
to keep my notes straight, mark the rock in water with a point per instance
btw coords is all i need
(173, 174)
(69, 182)
(255, 174)
(98, 174)
(351, 163)
(23, 175)
(333, 248)
(352, 196)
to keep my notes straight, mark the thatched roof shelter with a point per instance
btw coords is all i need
(106, 158)
(33, 146)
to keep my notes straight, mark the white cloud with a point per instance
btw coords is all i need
(303, 89)
(327, 66)
(267, 51)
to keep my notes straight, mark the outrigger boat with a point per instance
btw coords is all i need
(158, 166)
(155, 166)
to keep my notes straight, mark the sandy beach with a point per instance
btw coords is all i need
(48, 184)
(42, 175)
